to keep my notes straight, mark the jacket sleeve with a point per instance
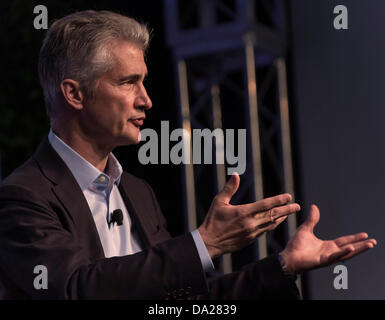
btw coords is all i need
(261, 280)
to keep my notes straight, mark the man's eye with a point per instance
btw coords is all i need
(129, 82)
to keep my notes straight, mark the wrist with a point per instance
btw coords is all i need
(212, 250)
(287, 270)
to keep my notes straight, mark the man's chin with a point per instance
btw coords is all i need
(130, 140)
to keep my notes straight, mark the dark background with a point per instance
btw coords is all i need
(338, 118)
(339, 79)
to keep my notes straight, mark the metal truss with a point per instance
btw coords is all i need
(230, 73)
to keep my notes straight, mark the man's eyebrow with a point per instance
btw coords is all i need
(132, 77)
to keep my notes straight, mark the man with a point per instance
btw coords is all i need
(99, 231)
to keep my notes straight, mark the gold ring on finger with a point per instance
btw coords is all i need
(271, 215)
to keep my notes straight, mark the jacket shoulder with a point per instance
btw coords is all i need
(27, 176)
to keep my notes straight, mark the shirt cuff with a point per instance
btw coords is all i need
(206, 261)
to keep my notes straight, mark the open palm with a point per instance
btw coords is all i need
(305, 251)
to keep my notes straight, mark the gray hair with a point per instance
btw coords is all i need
(76, 47)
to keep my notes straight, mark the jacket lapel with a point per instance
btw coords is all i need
(70, 195)
(139, 209)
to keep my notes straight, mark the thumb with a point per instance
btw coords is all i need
(229, 189)
(313, 218)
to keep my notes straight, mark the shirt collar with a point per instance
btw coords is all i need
(86, 175)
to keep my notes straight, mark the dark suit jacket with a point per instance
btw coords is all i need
(45, 220)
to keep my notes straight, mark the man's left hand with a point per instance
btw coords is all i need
(305, 251)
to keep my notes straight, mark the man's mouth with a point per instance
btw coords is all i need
(138, 121)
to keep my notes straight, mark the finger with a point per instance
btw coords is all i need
(268, 226)
(358, 248)
(279, 212)
(276, 223)
(313, 218)
(229, 189)
(350, 239)
(266, 204)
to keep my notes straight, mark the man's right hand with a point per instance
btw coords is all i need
(228, 228)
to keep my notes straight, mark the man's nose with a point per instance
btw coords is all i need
(143, 100)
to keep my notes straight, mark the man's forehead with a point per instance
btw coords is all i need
(128, 57)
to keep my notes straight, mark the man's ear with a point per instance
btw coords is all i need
(72, 93)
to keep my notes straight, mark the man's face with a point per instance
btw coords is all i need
(116, 112)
